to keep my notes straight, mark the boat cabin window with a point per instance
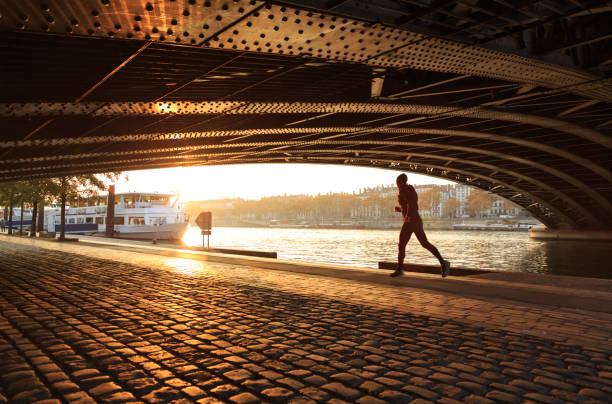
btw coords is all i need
(99, 220)
(72, 220)
(155, 199)
(119, 220)
(80, 219)
(89, 220)
(136, 220)
(157, 220)
(129, 201)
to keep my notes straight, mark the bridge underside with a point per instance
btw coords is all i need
(510, 98)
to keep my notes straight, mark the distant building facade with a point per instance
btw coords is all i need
(435, 209)
(368, 205)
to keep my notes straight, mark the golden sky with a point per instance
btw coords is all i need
(253, 181)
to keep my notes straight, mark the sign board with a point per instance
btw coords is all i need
(204, 220)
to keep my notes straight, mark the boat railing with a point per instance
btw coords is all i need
(83, 210)
(147, 204)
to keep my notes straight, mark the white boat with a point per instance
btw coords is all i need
(16, 223)
(138, 215)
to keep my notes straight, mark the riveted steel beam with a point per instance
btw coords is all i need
(593, 166)
(170, 136)
(275, 28)
(171, 108)
(577, 108)
(92, 88)
(593, 85)
(575, 44)
(113, 72)
(438, 83)
(201, 76)
(464, 90)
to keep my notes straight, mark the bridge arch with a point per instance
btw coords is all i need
(284, 144)
(399, 163)
(196, 89)
(542, 216)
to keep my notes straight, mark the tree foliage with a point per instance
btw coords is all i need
(9, 192)
(450, 207)
(71, 189)
(479, 201)
(312, 208)
(62, 190)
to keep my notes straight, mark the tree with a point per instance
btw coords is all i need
(26, 193)
(479, 201)
(71, 188)
(430, 200)
(425, 200)
(8, 196)
(37, 191)
(450, 207)
(20, 195)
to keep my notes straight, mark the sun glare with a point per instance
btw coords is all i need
(163, 107)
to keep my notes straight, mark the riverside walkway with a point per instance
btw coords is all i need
(86, 322)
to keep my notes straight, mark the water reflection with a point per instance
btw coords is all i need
(499, 251)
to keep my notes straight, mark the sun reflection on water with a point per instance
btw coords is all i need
(192, 237)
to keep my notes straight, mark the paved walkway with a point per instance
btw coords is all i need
(86, 324)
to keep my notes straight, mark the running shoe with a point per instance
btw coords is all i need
(397, 272)
(447, 269)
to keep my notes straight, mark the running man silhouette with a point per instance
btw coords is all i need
(408, 205)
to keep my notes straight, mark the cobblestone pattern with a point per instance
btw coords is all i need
(561, 324)
(77, 328)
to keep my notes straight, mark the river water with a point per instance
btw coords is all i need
(498, 251)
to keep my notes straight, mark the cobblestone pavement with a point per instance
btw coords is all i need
(113, 326)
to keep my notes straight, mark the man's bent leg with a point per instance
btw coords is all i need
(404, 238)
(444, 265)
(420, 234)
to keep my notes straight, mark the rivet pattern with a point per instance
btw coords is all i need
(268, 28)
(240, 108)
